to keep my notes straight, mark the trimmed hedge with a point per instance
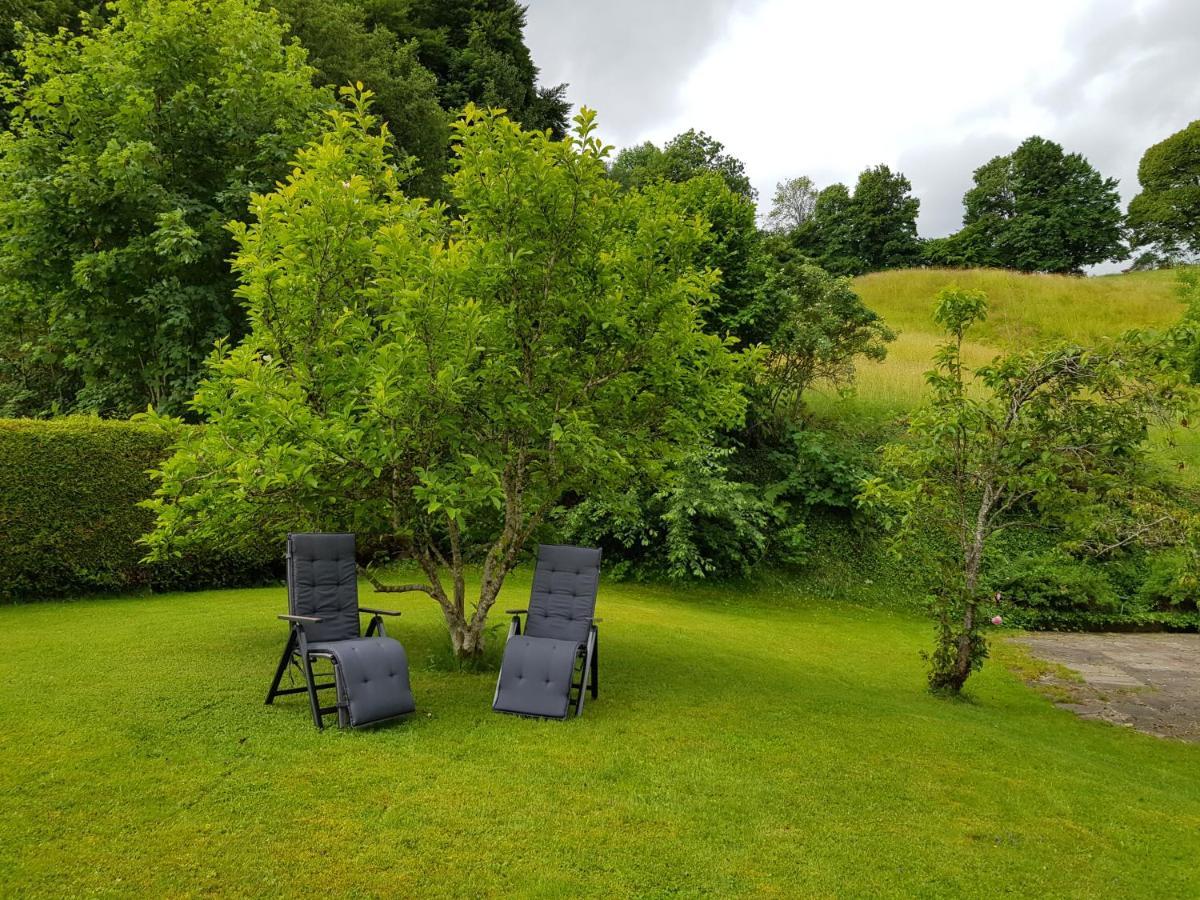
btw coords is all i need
(69, 520)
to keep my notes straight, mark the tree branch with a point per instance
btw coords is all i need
(380, 588)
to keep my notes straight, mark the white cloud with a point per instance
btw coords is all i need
(935, 87)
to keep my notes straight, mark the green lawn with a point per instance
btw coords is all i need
(745, 742)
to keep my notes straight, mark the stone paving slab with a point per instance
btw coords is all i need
(1150, 682)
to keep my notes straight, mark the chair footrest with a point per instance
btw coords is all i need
(372, 678)
(536, 676)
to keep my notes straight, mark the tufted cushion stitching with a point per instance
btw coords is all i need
(546, 696)
(563, 597)
(325, 584)
(362, 662)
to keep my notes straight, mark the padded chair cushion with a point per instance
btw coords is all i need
(563, 599)
(535, 677)
(372, 677)
(324, 583)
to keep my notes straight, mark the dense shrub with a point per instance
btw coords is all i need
(1169, 591)
(69, 520)
(725, 511)
(1053, 590)
(819, 467)
(701, 523)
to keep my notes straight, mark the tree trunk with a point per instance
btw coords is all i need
(466, 639)
(966, 642)
(466, 632)
(971, 564)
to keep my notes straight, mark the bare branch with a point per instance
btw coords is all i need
(380, 588)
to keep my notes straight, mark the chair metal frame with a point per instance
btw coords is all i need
(585, 670)
(586, 677)
(296, 652)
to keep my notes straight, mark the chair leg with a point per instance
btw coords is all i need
(311, 682)
(341, 703)
(583, 687)
(595, 663)
(283, 664)
(583, 675)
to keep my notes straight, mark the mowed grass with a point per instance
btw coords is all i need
(1024, 310)
(746, 741)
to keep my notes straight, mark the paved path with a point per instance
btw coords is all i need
(1150, 682)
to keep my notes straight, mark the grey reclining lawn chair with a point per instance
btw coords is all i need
(370, 671)
(557, 656)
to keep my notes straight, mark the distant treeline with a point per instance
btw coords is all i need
(1037, 209)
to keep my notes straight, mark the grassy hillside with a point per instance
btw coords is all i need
(1024, 310)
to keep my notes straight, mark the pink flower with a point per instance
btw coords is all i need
(996, 620)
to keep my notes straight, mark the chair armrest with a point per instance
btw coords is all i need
(301, 619)
(370, 610)
(515, 612)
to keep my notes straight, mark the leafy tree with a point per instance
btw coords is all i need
(693, 152)
(1165, 215)
(709, 183)
(132, 145)
(731, 247)
(848, 234)
(1055, 436)
(636, 167)
(1039, 209)
(444, 383)
(346, 44)
(828, 237)
(792, 204)
(424, 60)
(884, 219)
(45, 16)
(818, 327)
(38, 15)
(965, 249)
(684, 157)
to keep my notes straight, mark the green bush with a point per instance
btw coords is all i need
(727, 512)
(1169, 589)
(1053, 590)
(700, 524)
(69, 519)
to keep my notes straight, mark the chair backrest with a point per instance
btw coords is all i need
(323, 581)
(563, 599)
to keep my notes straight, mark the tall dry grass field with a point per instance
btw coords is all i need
(1024, 310)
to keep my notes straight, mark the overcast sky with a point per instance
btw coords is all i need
(932, 87)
